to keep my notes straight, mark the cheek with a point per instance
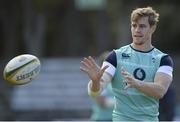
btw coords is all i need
(146, 32)
(147, 35)
(131, 29)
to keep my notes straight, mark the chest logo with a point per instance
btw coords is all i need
(139, 74)
(125, 55)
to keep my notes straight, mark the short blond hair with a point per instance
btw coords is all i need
(153, 16)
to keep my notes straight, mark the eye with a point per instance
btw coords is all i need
(142, 26)
(134, 25)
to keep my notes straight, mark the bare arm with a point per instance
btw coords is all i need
(155, 89)
(94, 72)
(158, 88)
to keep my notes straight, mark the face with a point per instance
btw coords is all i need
(141, 31)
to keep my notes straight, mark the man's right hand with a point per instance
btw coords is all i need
(90, 67)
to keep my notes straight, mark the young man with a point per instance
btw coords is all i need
(139, 73)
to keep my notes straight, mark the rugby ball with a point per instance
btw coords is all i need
(22, 69)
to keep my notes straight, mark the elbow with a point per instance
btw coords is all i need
(160, 92)
(160, 95)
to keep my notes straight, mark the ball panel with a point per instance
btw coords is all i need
(22, 69)
(18, 61)
(11, 73)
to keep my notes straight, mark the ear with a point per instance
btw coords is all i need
(153, 28)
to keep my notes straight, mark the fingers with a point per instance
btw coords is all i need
(127, 86)
(83, 69)
(122, 70)
(128, 78)
(87, 61)
(91, 60)
(85, 64)
(126, 74)
(89, 65)
(104, 68)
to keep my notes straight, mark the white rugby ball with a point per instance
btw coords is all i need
(22, 69)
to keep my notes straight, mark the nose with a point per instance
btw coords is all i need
(137, 29)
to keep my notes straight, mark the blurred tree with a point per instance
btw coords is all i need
(94, 25)
(120, 22)
(34, 25)
(63, 28)
(9, 26)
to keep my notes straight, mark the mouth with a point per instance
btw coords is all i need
(138, 36)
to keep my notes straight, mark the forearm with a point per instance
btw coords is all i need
(151, 89)
(95, 88)
(155, 89)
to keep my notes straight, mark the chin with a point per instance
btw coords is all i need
(138, 42)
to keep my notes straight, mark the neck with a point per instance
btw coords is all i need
(143, 47)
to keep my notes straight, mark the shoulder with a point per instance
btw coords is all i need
(166, 61)
(112, 59)
(123, 49)
(166, 65)
(115, 54)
